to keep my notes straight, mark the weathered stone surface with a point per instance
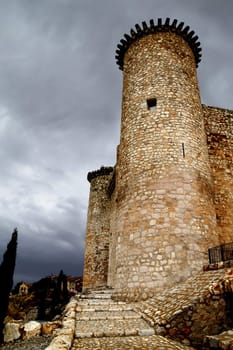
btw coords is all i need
(11, 331)
(49, 327)
(153, 217)
(190, 313)
(223, 341)
(125, 343)
(63, 336)
(97, 236)
(34, 343)
(219, 131)
(63, 342)
(26, 330)
(30, 329)
(172, 197)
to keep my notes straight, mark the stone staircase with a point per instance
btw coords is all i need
(190, 312)
(104, 324)
(97, 315)
(94, 321)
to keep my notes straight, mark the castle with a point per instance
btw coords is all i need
(153, 216)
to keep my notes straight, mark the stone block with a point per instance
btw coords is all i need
(49, 327)
(146, 332)
(11, 332)
(31, 329)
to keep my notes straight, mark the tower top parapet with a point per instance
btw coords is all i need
(174, 27)
(104, 170)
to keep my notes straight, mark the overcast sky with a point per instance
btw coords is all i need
(60, 100)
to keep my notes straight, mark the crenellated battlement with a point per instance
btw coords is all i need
(169, 198)
(152, 28)
(104, 170)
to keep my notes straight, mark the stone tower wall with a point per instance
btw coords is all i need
(112, 241)
(97, 232)
(219, 130)
(165, 214)
(169, 198)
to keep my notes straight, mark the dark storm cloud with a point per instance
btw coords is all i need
(60, 100)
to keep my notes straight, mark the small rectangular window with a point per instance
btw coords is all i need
(151, 104)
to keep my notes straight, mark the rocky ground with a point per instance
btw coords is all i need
(35, 343)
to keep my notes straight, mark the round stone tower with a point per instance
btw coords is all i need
(165, 214)
(97, 232)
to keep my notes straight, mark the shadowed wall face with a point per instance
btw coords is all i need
(97, 233)
(165, 219)
(219, 131)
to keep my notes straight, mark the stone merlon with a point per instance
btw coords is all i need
(104, 170)
(152, 28)
(169, 198)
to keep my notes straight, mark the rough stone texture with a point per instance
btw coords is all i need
(63, 336)
(223, 341)
(11, 331)
(30, 329)
(154, 342)
(99, 316)
(219, 131)
(193, 309)
(165, 215)
(34, 343)
(172, 197)
(97, 234)
(182, 317)
(47, 328)
(25, 330)
(112, 240)
(153, 217)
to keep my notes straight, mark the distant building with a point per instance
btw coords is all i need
(24, 289)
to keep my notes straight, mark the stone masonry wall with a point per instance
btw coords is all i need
(97, 233)
(165, 214)
(112, 242)
(192, 310)
(172, 194)
(219, 130)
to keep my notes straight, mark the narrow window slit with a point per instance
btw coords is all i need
(151, 104)
(183, 150)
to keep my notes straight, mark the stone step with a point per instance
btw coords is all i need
(106, 315)
(112, 328)
(101, 291)
(99, 301)
(95, 301)
(96, 296)
(123, 343)
(100, 288)
(103, 307)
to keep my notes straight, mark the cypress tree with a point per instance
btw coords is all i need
(7, 268)
(65, 295)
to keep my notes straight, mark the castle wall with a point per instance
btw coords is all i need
(152, 219)
(219, 130)
(165, 214)
(97, 232)
(112, 241)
